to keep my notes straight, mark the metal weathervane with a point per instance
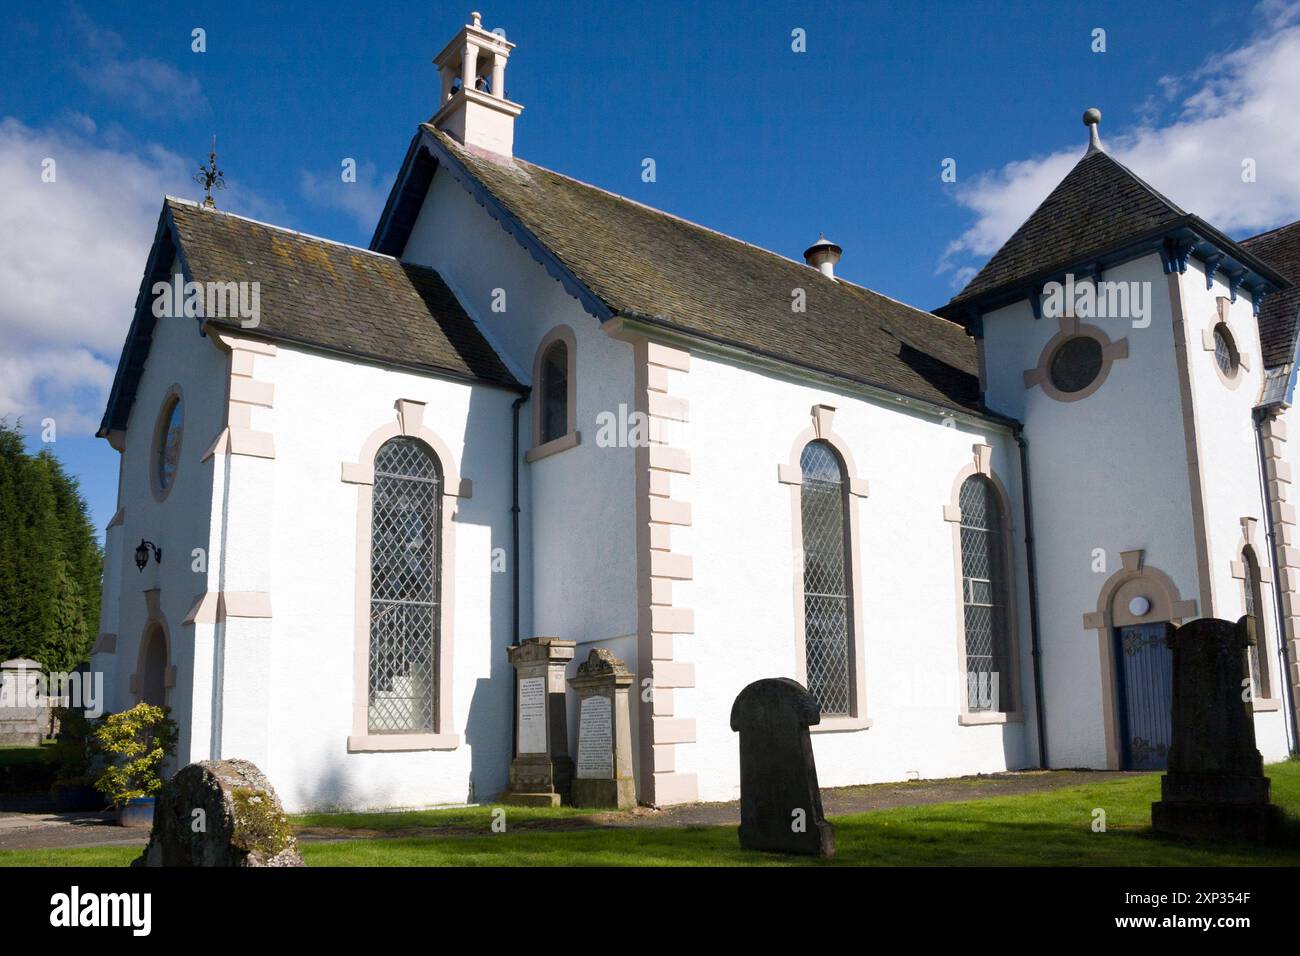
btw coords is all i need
(209, 177)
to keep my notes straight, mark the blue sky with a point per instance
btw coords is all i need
(748, 136)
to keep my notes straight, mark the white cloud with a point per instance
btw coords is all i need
(145, 85)
(363, 200)
(1238, 105)
(72, 254)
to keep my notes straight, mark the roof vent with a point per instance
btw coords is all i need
(822, 255)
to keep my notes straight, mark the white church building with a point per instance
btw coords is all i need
(535, 408)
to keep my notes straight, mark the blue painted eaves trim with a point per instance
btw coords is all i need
(540, 252)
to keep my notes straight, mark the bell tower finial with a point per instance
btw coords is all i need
(472, 105)
(1092, 120)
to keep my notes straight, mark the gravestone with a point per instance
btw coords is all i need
(541, 773)
(780, 804)
(220, 813)
(1214, 785)
(603, 770)
(24, 708)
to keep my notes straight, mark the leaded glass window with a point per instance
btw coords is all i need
(826, 600)
(1254, 607)
(1225, 350)
(169, 443)
(555, 392)
(405, 563)
(984, 596)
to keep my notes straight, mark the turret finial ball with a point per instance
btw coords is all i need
(1091, 117)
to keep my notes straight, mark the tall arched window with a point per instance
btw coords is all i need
(1255, 608)
(405, 559)
(826, 583)
(555, 392)
(984, 597)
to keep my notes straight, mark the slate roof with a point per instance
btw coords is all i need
(1097, 206)
(338, 297)
(642, 263)
(1278, 313)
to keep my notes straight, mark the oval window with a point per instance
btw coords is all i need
(168, 447)
(1076, 364)
(1225, 351)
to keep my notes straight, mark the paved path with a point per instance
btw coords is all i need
(33, 829)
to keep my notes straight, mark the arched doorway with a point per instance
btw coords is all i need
(1135, 609)
(153, 667)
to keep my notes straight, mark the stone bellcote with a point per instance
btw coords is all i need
(472, 106)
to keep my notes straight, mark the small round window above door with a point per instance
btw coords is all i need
(168, 434)
(1076, 363)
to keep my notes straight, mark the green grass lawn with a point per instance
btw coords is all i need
(1044, 829)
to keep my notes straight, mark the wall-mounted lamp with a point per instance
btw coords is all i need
(142, 553)
(1139, 606)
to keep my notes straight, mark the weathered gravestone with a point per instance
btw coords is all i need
(24, 708)
(780, 805)
(541, 773)
(1215, 785)
(604, 764)
(220, 813)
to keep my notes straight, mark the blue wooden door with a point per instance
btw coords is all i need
(1145, 672)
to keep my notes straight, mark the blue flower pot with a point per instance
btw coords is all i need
(136, 812)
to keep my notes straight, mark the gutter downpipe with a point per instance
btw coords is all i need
(1259, 415)
(514, 565)
(1031, 569)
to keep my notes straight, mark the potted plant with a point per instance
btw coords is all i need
(74, 781)
(136, 743)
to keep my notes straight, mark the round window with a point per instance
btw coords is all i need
(1225, 351)
(168, 447)
(1076, 364)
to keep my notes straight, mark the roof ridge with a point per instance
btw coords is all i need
(285, 229)
(1268, 232)
(709, 229)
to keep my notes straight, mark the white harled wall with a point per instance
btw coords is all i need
(1230, 464)
(743, 424)
(325, 408)
(179, 524)
(578, 505)
(1107, 472)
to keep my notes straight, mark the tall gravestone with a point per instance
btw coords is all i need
(1215, 785)
(603, 769)
(780, 804)
(541, 774)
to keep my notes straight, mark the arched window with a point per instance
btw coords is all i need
(1255, 609)
(984, 597)
(554, 390)
(828, 606)
(405, 558)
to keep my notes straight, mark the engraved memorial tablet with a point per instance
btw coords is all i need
(595, 739)
(604, 772)
(542, 770)
(532, 715)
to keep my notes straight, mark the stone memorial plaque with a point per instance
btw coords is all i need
(595, 739)
(532, 715)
